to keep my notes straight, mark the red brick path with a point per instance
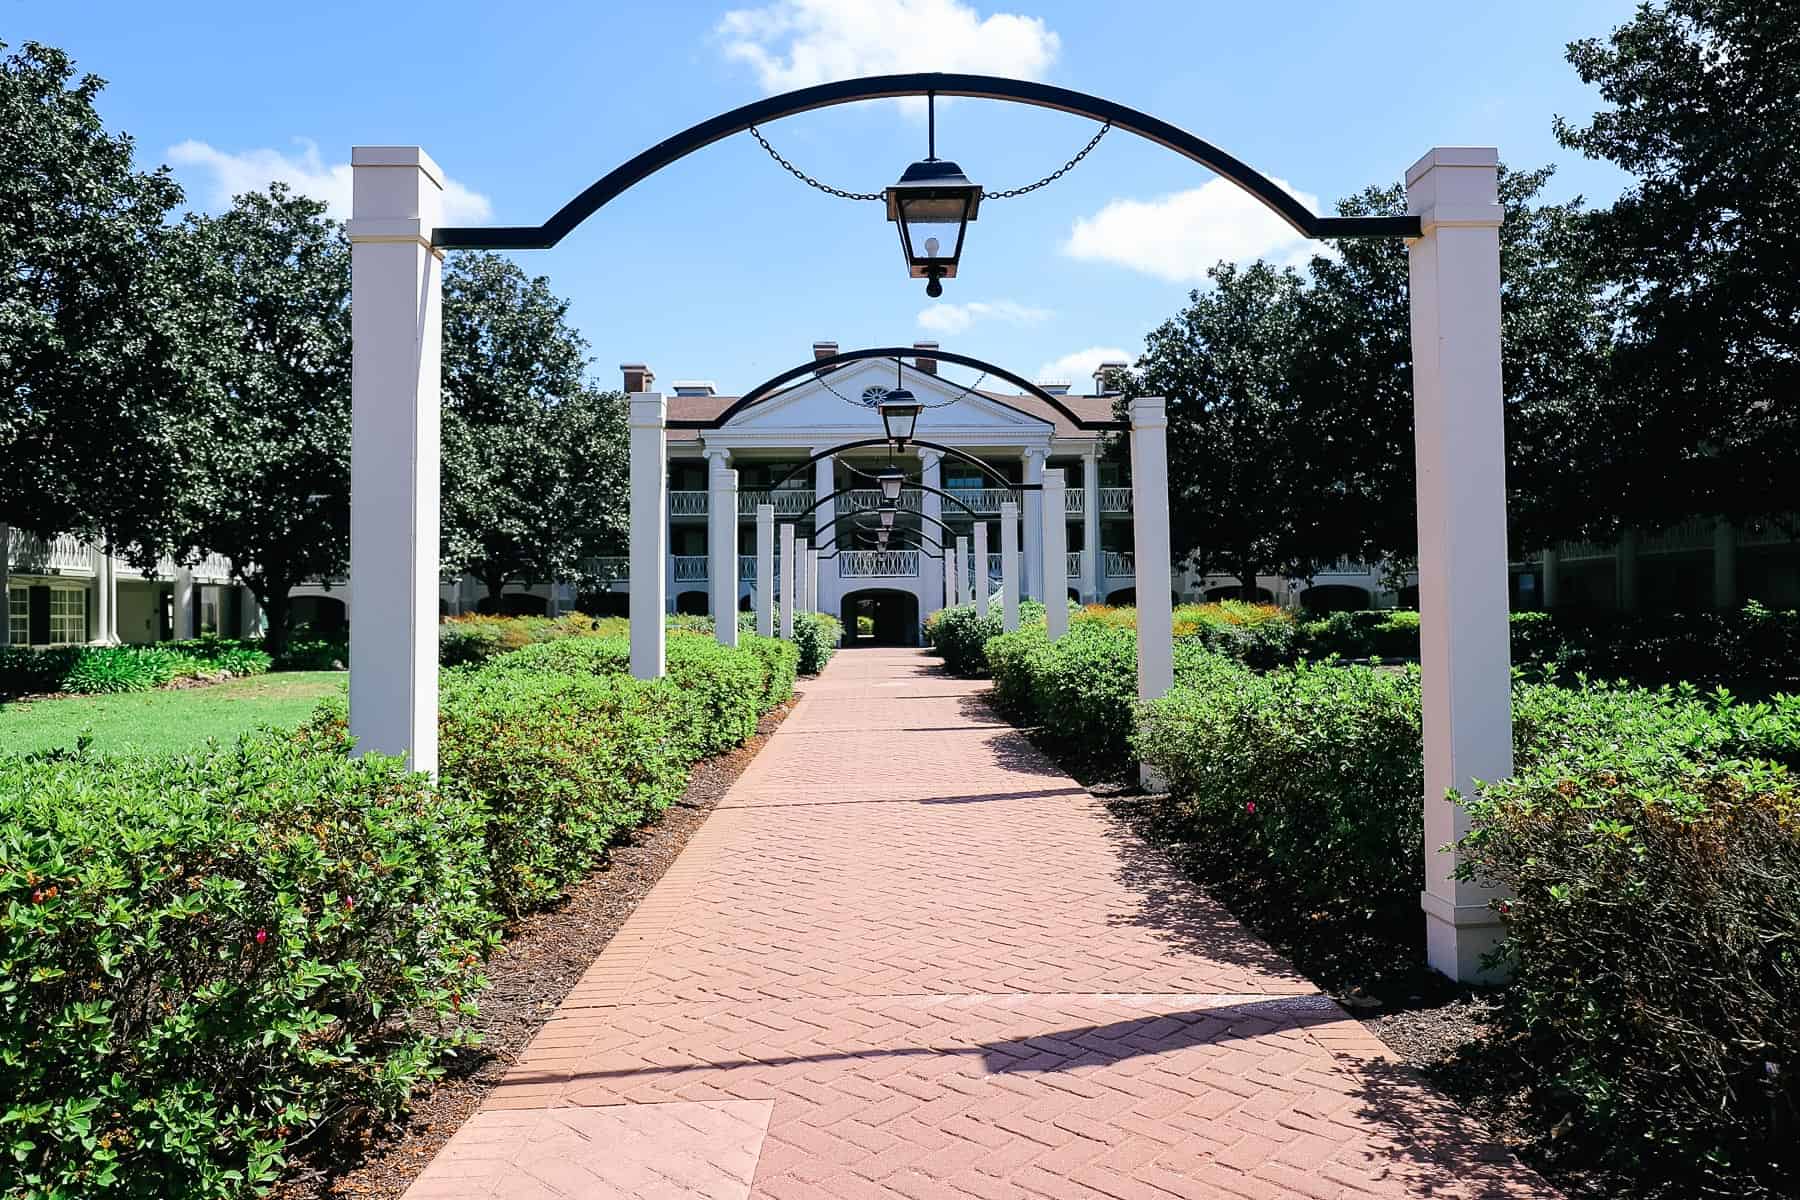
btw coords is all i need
(909, 957)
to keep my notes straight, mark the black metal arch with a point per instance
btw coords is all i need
(952, 451)
(878, 87)
(768, 387)
(812, 508)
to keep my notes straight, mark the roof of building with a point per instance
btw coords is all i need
(1087, 408)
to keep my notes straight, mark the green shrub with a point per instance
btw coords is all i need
(780, 663)
(1015, 660)
(1653, 935)
(559, 765)
(100, 669)
(817, 636)
(960, 635)
(472, 639)
(311, 650)
(207, 956)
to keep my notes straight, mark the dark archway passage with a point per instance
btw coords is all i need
(880, 617)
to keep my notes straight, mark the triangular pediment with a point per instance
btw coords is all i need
(841, 407)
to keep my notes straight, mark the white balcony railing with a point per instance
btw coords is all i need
(878, 564)
(1120, 565)
(687, 504)
(867, 499)
(1344, 566)
(690, 568)
(1074, 565)
(609, 568)
(983, 500)
(995, 566)
(747, 567)
(1115, 499)
(1074, 502)
(788, 502)
(64, 554)
(214, 568)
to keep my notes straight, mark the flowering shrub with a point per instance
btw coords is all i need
(207, 956)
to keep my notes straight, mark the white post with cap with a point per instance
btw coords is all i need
(765, 570)
(1150, 532)
(788, 576)
(396, 332)
(1009, 566)
(961, 566)
(1056, 556)
(981, 569)
(1459, 431)
(722, 547)
(648, 597)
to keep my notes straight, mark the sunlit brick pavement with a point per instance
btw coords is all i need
(909, 957)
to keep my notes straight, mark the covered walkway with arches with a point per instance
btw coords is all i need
(908, 956)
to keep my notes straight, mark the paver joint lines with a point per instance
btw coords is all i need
(907, 956)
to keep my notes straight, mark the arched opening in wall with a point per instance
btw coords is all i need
(326, 614)
(880, 617)
(1408, 597)
(515, 604)
(692, 604)
(746, 603)
(604, 604)
(1334, 597)
(1122, 597)
(1232, 591)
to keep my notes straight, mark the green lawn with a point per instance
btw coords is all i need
(166, 721)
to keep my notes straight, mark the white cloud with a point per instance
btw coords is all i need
(227, 175)
(1079, 367)
(795, 43)
(957, 318)
(1179, 236)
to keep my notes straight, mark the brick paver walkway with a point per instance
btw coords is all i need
(909, 957)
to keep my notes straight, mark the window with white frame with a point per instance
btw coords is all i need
(68, 615)
(18, 615)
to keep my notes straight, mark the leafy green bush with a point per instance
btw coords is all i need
(1653, 935)
(312, 650)
(208, 956)
(559, 764)
(817, 636)
(960, 635)
(780, 663)
(467, 640)
(128, 668)
(100, 669)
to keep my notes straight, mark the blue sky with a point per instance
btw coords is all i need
(722, 267)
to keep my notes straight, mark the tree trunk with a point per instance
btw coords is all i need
(273, 596)
(1246, 576)
(496, 584)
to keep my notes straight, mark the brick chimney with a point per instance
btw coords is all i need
(1101, 386)
(824, 350)
(926, 361)
(638, 377)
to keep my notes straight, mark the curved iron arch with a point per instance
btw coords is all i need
(950, 451)
(767, 387)
(879, 87)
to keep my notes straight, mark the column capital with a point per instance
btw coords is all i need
(1455, 187)
(1038, 452)
(648, 410)
(929, 457)
(1149, 412)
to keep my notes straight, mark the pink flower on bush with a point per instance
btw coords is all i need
(1250, 807)
(262, 935)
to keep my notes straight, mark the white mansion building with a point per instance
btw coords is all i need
(62, 591)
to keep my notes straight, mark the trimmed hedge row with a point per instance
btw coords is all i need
(95, 669)
(469, 640)
(206, 957)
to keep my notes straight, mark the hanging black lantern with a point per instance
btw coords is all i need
(932, 206)
(900, 415)
(891, 481)
(887, 519)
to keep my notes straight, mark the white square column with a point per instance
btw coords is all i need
(981, 569)
(396, 333)
(104, 598)
(1150, 531)
(933, 578)
(802, 601)
(960, 564)
(825, 515)
(1033, 582)
(722, 547)
(1056, 556)
(765, 570)
(1009, 566)
(1461, 439)
(182, 606)
(649, 533)
(1093, 583)
(788, 576)
(812, 579)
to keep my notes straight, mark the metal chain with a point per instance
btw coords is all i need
(1054, 175)
(803, 177)
(1008, 194)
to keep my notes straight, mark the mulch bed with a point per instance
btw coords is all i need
(542, 958)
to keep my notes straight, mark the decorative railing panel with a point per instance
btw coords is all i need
(610, 568)
(1115, 499)
(866, 499)
(1074, 565)
(1120, 565)
(64, 554)
(878, 564)
(690, 568)
(1344, 566)
(687, 504)
(788, 502)
(983, 500)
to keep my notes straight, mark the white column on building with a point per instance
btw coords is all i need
(802, 601)
(1093, 584)
(934, 578)
(252, 615)
(1150, 536)
(395, 320)
(765, 570)
(1550, 591)
(648, 598)
(1009, 566)
(1056, 556)
(1465, 655)
(1034, 522)
(981, 569)
(722, 545)
(181, 627)
(812, 579)
(788, 575)
(960, 565)
(1724, 565)
(103, 595)
(824, 516)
